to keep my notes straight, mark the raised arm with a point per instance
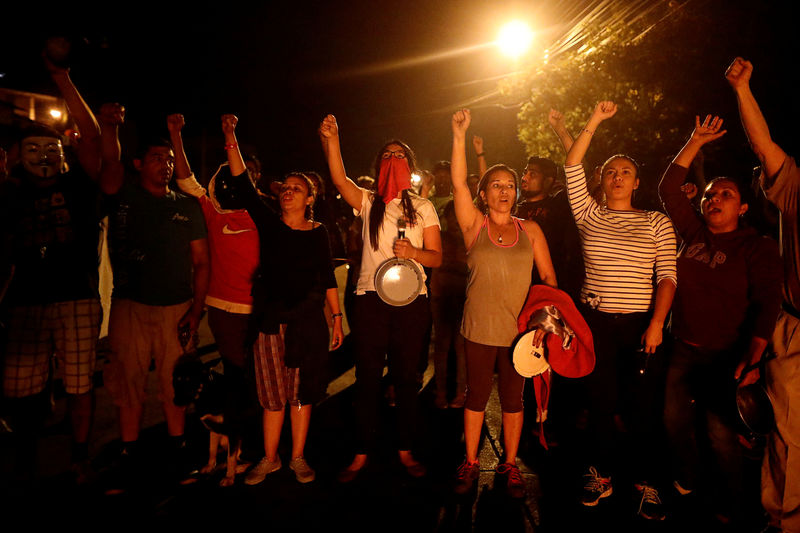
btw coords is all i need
(175, 124)
(112, 173)
(710, 130)
(329, 136)
(468, 216)
(556, 120)
(89, 147)
(235, 159)
(755, 125)
(602, 111)
(671, 191)
(480, 153)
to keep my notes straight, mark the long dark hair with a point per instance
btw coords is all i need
(376, 214)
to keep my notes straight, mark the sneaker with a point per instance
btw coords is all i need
(260, 471)
(596, 488)
(650, 506)
(515, 484)
(683, 491)
(303, 472)
(466, 476)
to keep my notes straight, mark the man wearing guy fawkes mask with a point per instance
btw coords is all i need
(50, 225)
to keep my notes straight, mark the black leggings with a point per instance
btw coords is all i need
(399, 332)
(619, 390)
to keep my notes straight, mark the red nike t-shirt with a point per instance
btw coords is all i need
(233, 246)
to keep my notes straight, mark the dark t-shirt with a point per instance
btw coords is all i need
(295, 265)
(149, 244)
(558, 225)
(51, 235)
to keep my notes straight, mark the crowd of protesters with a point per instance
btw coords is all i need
(260, 264)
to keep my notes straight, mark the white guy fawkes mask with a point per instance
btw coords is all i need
(42, 156)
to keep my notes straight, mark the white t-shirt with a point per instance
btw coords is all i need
(371, 259)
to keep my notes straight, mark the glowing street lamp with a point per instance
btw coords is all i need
(55, 113)
(514, 39)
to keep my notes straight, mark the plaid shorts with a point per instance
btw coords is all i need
(61, 335)
(276, 384)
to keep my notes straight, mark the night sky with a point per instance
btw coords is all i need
(282, 66)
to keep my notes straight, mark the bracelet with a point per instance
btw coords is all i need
(481, 154)
(588, 131)
(334, 315)
(230, 146)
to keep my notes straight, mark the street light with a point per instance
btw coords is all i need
(514, 39)
(55, 113)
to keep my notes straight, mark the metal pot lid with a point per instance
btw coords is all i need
(755, 408)
(529, 360)
(398, 281)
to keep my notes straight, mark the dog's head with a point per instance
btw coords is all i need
(189, 378)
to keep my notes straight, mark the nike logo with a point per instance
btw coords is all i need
(228, 231)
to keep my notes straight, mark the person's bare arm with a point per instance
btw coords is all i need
(469, 217)
(556, 121)
(329, 136)
(710, 130)
(653, 335)
(477, 143)
(235, 159)
(89, 146)
(112, 173)
(603, 111)
(755, 125)
(337, 336)
(541, 253)
(175, 124)
(201, 268)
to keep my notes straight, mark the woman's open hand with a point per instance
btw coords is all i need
(708, 131)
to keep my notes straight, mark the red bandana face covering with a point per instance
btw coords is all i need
(395, 176)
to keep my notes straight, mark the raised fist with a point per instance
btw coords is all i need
(175, 123)
(112, 113)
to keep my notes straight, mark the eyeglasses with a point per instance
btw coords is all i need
(399, 154)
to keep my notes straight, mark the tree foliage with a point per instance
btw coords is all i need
(659, 63)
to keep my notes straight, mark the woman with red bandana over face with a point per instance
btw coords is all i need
(380, 328)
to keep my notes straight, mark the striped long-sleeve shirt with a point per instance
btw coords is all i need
(622, 250)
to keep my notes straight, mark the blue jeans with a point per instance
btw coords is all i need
(700, 416)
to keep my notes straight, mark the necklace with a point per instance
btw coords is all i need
(499, 233)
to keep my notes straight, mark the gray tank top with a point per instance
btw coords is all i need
(499, 280)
